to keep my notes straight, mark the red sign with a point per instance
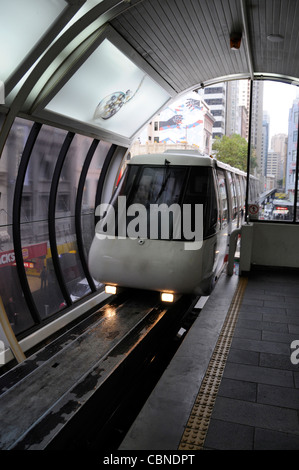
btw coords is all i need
(7, 258)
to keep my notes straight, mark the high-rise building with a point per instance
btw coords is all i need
(265, 143)
(292, 149)
(229, 104)
(233, 116)
(244, 103)
(273, 170)
(279, 145)
(257, 125)
(215, 97)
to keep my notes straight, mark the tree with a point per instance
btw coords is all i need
(232, 150)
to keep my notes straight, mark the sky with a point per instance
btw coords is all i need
(278, 99)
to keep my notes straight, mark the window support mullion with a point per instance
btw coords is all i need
(51, 216)
(248, 152)
(78, 209)
(103, 175)
(16, 228)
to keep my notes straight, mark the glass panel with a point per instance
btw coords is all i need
(9, 165)
(274, 128)
(70, 263)
(223, 197)
(231, 181)
(10, 288)
(34, 221)
(151, 189)
(158, 186)
(70, 174)
(240, 188)
(40, 271)
(200, 189)
(89, 194)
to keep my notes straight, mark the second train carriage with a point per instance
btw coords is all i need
(128, 252)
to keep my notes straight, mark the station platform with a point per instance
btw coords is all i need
(234, 383)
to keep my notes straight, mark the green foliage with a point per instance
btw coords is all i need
(232, 150)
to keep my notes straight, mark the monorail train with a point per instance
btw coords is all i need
(168, 224)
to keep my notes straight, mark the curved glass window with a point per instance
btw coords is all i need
(273, 159)
(34, 221)
(66, 240)
(10, 287)
(69, 258)
(223, 197)
(89, 195)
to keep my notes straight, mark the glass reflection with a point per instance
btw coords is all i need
(69, 259)
(10, 287)
(89, 195)
(36, 252)
(34, 222)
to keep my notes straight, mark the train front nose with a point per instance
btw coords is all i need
(159, 265)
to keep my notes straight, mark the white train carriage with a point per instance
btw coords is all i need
(168, 224)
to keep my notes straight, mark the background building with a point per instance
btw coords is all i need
(292, 149)
(257, 126)
(215, 98)
(186, 123)
(279, 145)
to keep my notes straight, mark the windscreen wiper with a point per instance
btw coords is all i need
(165, 178)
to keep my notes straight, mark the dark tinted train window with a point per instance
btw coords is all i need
(223, 197)
(126, 181)
(231, 181)
(161, 185)
(150, 192)
(201, 190)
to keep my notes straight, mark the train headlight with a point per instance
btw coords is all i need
(166, 297)
(110, 289)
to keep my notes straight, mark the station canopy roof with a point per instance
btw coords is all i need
(105, 68)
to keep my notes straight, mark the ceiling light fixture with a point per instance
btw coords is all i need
(235, 41)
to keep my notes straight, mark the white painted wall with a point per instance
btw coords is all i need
(269, 245)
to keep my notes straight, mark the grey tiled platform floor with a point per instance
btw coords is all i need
(257, 406)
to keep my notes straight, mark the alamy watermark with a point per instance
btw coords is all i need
(295, 353)
(159, 221)
(2, 93)
(2, 349)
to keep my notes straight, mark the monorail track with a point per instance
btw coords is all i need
(70, 394)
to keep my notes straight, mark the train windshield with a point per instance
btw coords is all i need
(161, 185)
(200, 189)
(153, 197)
